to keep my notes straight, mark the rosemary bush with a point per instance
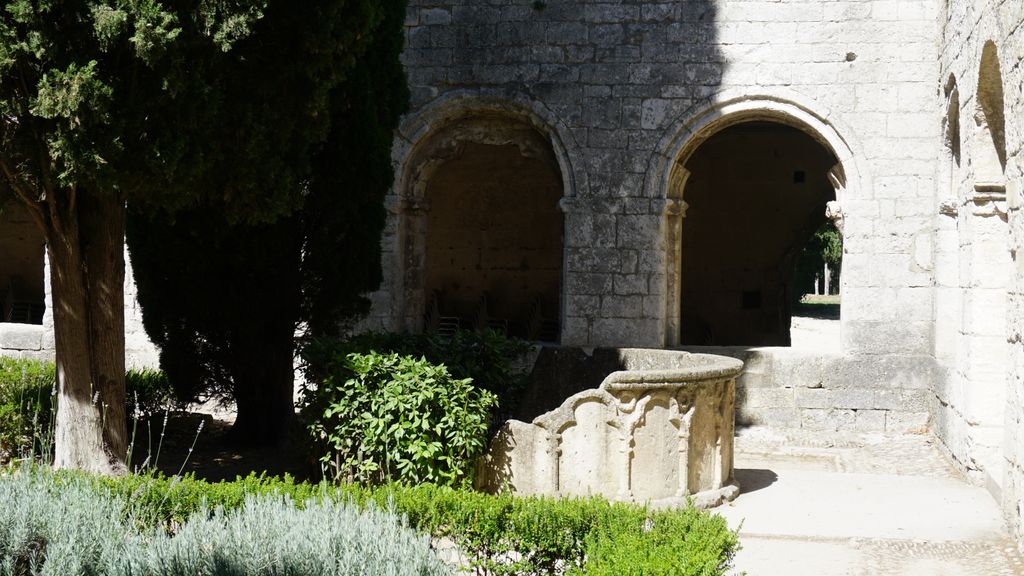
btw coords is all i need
(71, 524)
(502, 534)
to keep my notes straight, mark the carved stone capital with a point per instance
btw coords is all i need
(834, 212)
(988, 203)
(670, 206)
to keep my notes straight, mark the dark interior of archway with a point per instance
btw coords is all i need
(494, 243)
(756, 194)
(22, 249)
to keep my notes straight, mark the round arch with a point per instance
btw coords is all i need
(668, 176)
(439, 133)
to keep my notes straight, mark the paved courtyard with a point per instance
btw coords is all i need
(865, 505)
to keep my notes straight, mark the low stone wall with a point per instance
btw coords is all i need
(658, 430)
(830, 391)
(23, 341)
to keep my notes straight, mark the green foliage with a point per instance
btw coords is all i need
(385, 417)
(652, 546)
(148, 393)
(328, 74)
(59, 529)
(488, 358)
(75, 525)
(501, 534)
(269, 536)
(824, 247)
(26, 388)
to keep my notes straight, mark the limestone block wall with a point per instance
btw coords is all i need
(36, 341)
(625, 93)
(624, 90)
(979, 268)
(830, 392)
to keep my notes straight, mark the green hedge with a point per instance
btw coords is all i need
(486, 357)
(498, 534)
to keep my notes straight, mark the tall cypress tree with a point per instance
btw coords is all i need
(222, 298)
(160, 105)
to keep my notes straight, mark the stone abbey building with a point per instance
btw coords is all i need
(645, 173)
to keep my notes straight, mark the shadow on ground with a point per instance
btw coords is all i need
(201, 444)
(754, 479)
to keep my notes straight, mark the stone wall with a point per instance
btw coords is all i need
(625, 93)
(979, 313)
(37, 342)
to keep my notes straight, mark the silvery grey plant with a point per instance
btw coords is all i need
(61, 529)
(69, 526)
(270, 536)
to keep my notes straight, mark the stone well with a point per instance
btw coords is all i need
(658, 430)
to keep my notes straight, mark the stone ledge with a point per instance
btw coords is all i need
(21, 337)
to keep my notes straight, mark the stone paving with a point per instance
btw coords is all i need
(861, 505)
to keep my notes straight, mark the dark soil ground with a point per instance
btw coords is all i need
(216, 454)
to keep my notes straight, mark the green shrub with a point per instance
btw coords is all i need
(487, 357)
(71, 524)
(497, 534)
(148, 392)
(27, 389)
(26, 393)
(384, 417)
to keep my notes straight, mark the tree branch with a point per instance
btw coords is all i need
(32, 204)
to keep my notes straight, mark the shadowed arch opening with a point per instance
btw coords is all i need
(990, 142)
(757, 193)
(22, 258)
(951, 121)
(483, 235)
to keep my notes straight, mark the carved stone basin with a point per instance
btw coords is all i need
(659, 430)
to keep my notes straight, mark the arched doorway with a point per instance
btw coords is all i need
(22, 255)
(757, 192)
(483, 235)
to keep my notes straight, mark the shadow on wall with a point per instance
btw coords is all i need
(560, 372)
(481, 241)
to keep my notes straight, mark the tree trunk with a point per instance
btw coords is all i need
(86, 251)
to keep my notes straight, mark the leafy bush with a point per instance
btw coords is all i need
(148, 392)
(26, 388)
(384, 417)
(496, 534)
(487, 357)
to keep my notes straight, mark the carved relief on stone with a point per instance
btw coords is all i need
(659, 432)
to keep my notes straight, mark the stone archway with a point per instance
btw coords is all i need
(482, 230)
(756, 193)
(671, 176)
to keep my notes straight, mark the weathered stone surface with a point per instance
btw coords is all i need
(21, 337)
(660, 429)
